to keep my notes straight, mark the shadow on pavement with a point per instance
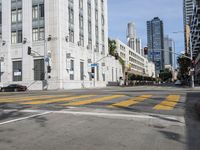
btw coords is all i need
(192, 120)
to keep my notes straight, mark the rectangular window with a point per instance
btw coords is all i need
(81, 4)
(19, 36)
(14, 16)
(103, 36)
(102, 5)
(17, 70)
(82, 70)
(104, 77)
(72, 69)
(81, 39)
(97, 33)
(89, 8)
(35, 34)
(39, 70)
(89, 27)
(41, 6)
(14, 37)
(81, 22)
(41, 34)
(71, 15)
(19, 15)
(35, 12)
(102, 20)
(71, 35)
(96, 16)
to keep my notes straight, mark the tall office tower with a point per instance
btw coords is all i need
(195, 39)
(187, 14)
(131, 36)
(168, 52)
(155, 42)
(139, 46)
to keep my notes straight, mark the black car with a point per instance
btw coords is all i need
(13, 88)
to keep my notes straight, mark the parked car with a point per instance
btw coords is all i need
(13, 88)
(178, 83)
(1, 86)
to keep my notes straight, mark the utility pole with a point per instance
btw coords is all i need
(191, 68)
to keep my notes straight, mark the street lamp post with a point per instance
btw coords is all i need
(46, 63)
(191, 69)
(3, 43)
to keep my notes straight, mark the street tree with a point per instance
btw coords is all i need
(112, 47)
(184, 67)
(166, 75)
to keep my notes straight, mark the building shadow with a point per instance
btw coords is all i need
(192, 120)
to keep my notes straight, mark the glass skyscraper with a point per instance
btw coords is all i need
(155, 40)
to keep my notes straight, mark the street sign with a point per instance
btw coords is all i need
(94, 65)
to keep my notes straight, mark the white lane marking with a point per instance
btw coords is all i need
(24, 118)
(131, 116)
(144, 116)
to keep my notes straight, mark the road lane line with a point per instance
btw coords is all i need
(95, 100)
(24, 118)
(131, 102)
(167, 118)
(57, 100)
(30, 98)
(169, 103)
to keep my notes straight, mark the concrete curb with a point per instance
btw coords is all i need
(197, 108)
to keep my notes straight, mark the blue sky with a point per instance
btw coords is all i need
(139, 11)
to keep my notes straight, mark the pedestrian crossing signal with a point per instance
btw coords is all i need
(29, 50)
(49, 69)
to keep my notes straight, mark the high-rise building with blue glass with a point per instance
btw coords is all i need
(155, 43)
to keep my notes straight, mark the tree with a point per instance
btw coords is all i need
(165, 75)
(184, 67)
(112, 47)
(112, 51)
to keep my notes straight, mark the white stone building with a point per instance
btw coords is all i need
(70, 35)
(135, 62)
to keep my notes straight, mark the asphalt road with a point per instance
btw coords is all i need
(133, 118)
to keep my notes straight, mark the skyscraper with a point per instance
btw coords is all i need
(168, 52)
(195, 39)
(187, 14)
(155, 40)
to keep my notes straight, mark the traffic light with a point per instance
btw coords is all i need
(116, 56)
(193, 62)
(48, 69)
(29, 50)
(146, 51)
(92, 72)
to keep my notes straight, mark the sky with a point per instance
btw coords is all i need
(120, 12)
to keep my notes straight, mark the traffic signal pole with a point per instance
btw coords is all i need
(191, 68)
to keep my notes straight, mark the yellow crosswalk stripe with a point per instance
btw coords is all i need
(131, 102)
(21, 99)
(57, 100)
(169, 103)
(95, 100)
